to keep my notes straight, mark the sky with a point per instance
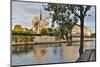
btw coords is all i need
(22, 13)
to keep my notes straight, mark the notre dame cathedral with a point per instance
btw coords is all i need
(39, 23)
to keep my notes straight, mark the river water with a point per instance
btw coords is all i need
(48, 53)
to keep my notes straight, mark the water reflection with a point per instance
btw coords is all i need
(39, 52)
(47, 53)
(70, 53)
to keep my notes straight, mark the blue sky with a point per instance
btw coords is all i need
(22, 13)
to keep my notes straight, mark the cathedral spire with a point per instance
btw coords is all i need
(40, 14)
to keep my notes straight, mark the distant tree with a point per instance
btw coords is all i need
(44, 31)
(57, 33)
(50, 30)
(24, 31)
(93, 35)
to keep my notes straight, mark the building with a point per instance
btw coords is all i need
(44, 38)
(18, 28)
(39, 23)
(76, 31)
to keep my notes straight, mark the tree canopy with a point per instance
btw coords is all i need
(63, 17)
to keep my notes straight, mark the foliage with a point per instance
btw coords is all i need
(62, 16)
(93, 35)
(23, 32)
(60, 12)
(44, 31)
(50, 30)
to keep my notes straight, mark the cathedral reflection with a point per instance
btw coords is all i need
(39, 52)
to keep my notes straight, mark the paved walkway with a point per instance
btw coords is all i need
(88, 55)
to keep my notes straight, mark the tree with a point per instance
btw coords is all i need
(61, 15)
(44, 31)
(57, 33)
(80, 11)
(50, 31)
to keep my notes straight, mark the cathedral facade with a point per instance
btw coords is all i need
(39, 23)
(76, 31)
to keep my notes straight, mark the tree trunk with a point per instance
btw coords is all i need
(70, 35)
(82, 35)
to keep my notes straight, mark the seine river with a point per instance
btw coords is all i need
(48, 53)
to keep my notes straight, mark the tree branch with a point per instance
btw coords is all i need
(72, 8)
(75, 13)
(86, 9)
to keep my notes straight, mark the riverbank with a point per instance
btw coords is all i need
(52, 42)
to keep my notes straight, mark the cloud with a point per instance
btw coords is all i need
(28, 8)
